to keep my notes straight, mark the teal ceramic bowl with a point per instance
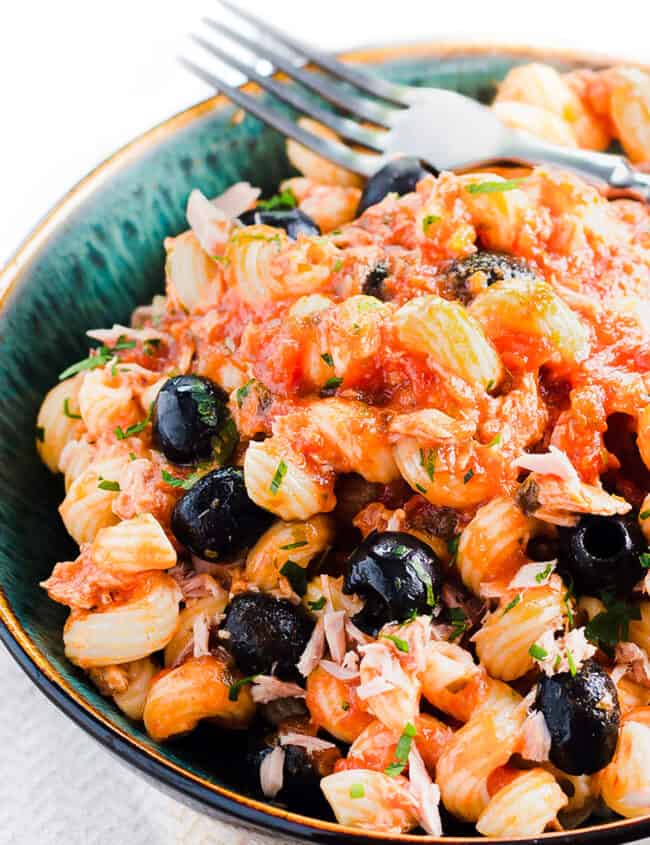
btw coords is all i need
(94, 258)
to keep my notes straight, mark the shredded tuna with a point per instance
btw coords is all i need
(201, 635)
(560, 502)
(338, 671)
(309, 743)
(334, 625)
(272, 772)
(268, 688)
(432, 426)
(425, 792)
(195, 586)
(554, 462)
(385, 670)
(533, 575)
(376, 686)
(351, 661)
(416, 635)
(109, 336)
(236, 199)
(314, 650)
(571, 650)
(356, 635)
(636, 663)
(535, 738)
(211, 225)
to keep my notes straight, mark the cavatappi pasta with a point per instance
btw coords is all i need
(374, 490)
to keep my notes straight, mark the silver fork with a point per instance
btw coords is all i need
(444, 129)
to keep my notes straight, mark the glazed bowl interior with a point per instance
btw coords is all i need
(97, 256)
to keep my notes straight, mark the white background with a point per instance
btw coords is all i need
(77, 80)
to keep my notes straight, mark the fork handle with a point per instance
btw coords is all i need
(614, 170)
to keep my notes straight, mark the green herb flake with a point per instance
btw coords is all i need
(468, 476)
(285, 199)
(495, 440)
(319, 604)
(537, 652)
(421, 489)
(337, 265)
(123, 343)
(174, 481)
(572, 664)
(489, 385)
(459, 623)
(136, 428)
(543, 575)
(105, 484)
(90, 363)
(644, 514)
(644, 559)
(233, 689)
(612, 625)
(150, 346)
(296, 576)
(493, 187)
(429, 220)
(345, 705)
(221, 259)
(132, 456)
(357, 790)
(328, 359)
(400, 645)
(511, 605)
(333, 383)
(428, 461)
(40, 433)
(402, 751)
(276, 481)
(297, 545)
(452, 545)
(68, 412)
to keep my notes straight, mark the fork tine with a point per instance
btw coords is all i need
(364, 165)
(364, 81)
(360, 107)
(344, 127)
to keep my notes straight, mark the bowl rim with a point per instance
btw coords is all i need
(222, 800)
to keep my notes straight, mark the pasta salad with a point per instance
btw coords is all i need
(370, 484)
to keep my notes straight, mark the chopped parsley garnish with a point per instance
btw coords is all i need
(136, 428)
(123, 343)
(105, 484)
(421, 489)
(402, 751)
(333, 383)
(297, 545)
(345, 705)
(68, 412)
(512, 604)
(566, 599)
(296, 576)
(233, 689)
(150, 345)
(428, 220)
(644, 559)
(468, 476)
(337, 265)
(243, 391)
(319, 604)
(490, 384)
(132, 456)
(328, 359)
(222, 259)
(572, 664)
(400, 644)
(40, 433)
(537, 652)
(357, 790)
(493, 187)
(285, 199)
(422, 574)
(644, 514)
(452, 545)
(495, 440)
(613, 624)
(459, 623)
(428, 461)
(276, 481)
(90, 363)
(173, 481)
(543, 575)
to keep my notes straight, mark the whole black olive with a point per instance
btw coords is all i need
(602, 553)
(396, 574)
(373, 284)
(399, 176)
(216, 516)
(583, 717)
(494, 266)
(191, 421)
(294, 221)
(265, 632)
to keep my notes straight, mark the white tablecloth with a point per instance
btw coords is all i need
(78, 80)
